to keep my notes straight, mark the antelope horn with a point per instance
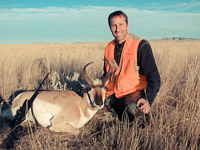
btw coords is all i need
(85, 75)
(108, 74)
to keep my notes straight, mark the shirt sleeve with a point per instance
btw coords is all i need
(148, 68)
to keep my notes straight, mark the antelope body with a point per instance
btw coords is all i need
(65, 111)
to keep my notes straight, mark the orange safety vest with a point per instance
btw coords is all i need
(125, 78)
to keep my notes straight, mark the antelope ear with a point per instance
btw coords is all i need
(86, 88)
(106, 82)
(83, 85)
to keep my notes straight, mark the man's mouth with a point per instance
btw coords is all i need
(118, 34)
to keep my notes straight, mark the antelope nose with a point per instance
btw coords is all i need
(99, 102)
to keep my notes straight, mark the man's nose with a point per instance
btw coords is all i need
(117, 28)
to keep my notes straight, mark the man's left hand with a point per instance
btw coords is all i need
(143, 105)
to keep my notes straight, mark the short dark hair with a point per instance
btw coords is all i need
(117, 13)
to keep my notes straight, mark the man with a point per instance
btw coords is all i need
(134, 71)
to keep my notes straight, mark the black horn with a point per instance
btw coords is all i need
(108, 74)
(85, 75)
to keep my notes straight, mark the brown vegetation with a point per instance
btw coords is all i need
(175, 116)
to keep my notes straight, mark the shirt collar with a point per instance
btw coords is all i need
(119, 45)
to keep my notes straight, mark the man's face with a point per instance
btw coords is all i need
(119, 28)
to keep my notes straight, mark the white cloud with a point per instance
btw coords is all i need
(90, 23)
(190, 4)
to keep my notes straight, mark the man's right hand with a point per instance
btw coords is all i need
(143, 105)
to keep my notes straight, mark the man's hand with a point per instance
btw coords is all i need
(143, 105)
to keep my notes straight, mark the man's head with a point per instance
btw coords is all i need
(118, 22)
(117, 13)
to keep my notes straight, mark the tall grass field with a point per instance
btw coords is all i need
(175, 115)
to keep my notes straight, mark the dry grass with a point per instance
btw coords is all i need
(175, 117)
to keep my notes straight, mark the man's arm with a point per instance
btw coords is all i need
(149, 69)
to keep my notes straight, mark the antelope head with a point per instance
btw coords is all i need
(96, 89)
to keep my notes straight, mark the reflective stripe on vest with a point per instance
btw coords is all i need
(136, 69)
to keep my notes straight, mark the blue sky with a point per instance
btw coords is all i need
(66, 21)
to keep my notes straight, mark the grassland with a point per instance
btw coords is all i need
(175, 116)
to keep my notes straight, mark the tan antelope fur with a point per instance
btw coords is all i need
(65, 111)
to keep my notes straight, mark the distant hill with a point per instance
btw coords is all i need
(165, 38)
(176, 39)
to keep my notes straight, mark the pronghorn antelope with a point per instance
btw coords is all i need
(65, 111)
